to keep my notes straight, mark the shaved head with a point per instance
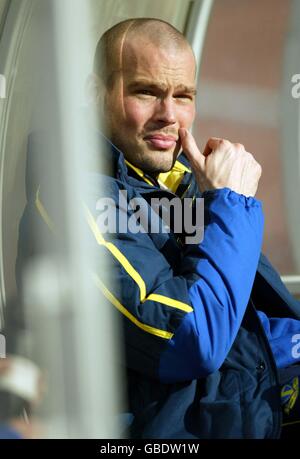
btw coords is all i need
(108, 60)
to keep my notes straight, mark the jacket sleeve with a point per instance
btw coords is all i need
(284, 338)
(219, 273)
(181, 326)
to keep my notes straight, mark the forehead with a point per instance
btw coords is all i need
(170, 65)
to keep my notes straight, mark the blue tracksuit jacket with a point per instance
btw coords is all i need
(201, 361)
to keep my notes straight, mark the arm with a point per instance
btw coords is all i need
(172, 321)
(181, 327)
(284, 338)
(220, 274)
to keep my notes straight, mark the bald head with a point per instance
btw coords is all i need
(109, 56)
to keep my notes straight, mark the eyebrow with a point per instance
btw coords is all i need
(151, 84)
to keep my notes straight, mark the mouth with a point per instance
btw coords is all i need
(161, 142)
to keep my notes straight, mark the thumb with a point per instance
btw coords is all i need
(190, 148)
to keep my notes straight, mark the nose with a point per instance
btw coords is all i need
(166, 111)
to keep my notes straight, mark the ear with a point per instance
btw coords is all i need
(94, 90)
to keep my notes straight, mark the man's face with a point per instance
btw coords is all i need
(151, 98)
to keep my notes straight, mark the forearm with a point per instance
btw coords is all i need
(220, 274)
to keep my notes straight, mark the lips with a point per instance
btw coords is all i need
(162, 142)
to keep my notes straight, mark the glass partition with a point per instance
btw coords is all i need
(244, 87)
(56, 326)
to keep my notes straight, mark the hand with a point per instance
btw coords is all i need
(222, 165)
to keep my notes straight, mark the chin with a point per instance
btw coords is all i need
(153, 166)
(153, 161)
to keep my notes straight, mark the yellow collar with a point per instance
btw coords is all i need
(168, 180)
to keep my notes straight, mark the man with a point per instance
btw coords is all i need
(201, 361)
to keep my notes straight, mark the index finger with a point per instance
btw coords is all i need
(211, 144)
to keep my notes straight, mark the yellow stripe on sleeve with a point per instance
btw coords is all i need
(131, 270)
(112, 299)
(42, 211)
(117, 254)
(169, 302)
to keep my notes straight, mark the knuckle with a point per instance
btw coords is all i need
(224, 143)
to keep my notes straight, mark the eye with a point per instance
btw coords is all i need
(184, 96)
(145, 92)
